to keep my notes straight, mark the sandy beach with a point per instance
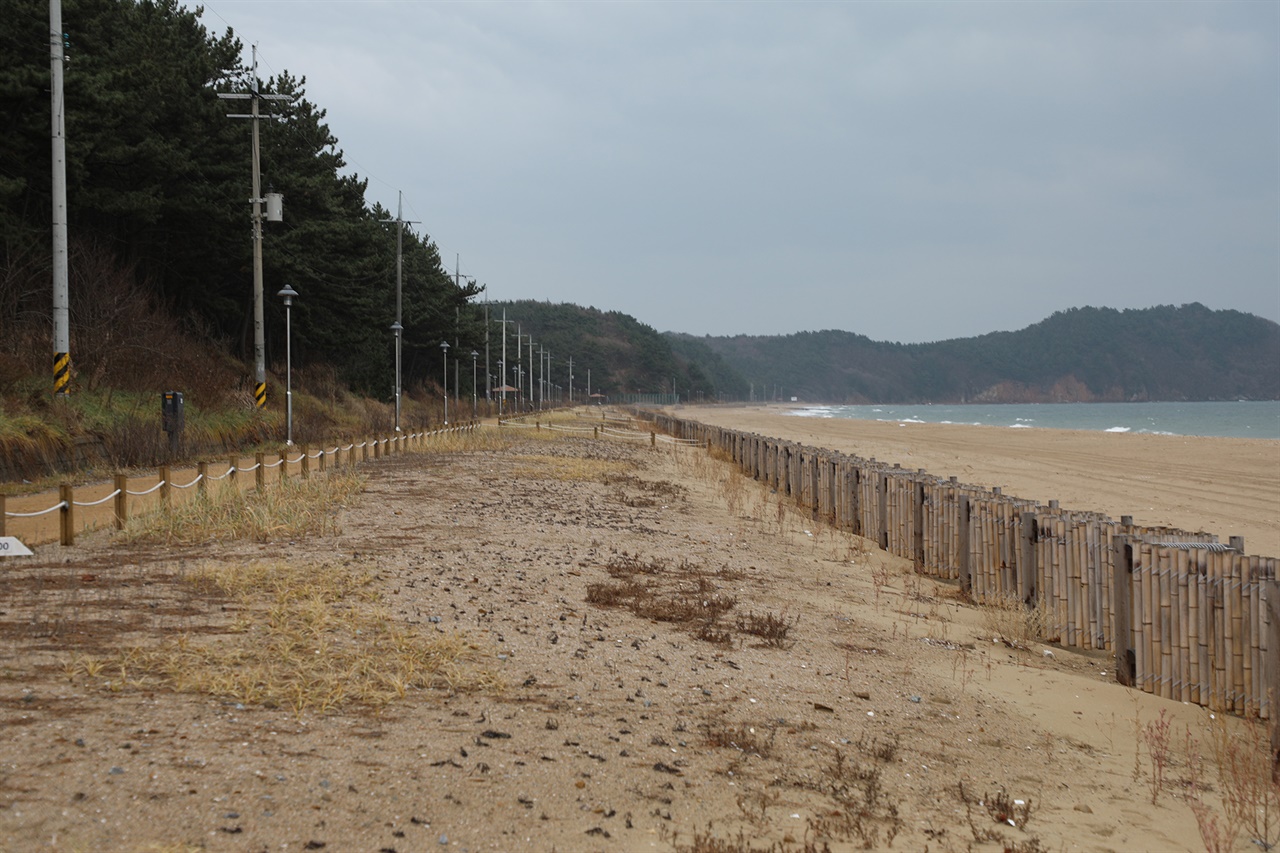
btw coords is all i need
(649, 653)
(1226, 486)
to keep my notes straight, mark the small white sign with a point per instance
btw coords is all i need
(11, 547)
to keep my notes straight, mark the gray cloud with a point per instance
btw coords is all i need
(910, 171)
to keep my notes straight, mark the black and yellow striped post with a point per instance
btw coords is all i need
(62, 373)
(260, 395)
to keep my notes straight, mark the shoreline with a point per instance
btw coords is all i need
(1225, 486)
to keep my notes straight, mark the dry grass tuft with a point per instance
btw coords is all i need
(1008, 620)
(292, 508)
(768, 627)
(310, 638)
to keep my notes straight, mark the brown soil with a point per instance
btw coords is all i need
(686, 664)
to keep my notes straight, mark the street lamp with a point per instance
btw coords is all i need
(287, 293)
(397, 329)
(474, 356)
(444, 354)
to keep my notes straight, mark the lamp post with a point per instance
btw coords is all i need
(397, 329)
(287, 293)
(502, 386)
(474, 399)
(444, 355)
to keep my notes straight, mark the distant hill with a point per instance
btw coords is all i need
(1168, 352)
(623, 355)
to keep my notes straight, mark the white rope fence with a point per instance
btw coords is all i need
(97, 502)
(381, 446)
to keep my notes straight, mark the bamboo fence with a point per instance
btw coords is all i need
(1185, 616)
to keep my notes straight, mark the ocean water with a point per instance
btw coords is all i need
(1241, 419)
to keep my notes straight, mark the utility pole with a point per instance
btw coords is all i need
(61, 296)
(259, 338)
(503, 383)
(398, 328)
(531, 371)
(570, 381)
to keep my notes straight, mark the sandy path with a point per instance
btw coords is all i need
(1226, 486)
(614, 730)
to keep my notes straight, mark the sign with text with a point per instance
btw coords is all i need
(11, 547)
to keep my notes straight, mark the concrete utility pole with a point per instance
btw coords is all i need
(503, 383)
(259, 338)
(398, 328)
(571, 381)
(530, 371)
(61, 296)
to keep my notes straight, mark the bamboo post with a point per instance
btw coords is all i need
(1271, 595)
(1070, 578)
(67, 515)
(962, 546)
(1121, 613)
(1178, 596)
(1238, 683)
(1027, 559)
(1252, 625)
(1165, 634)
(917, 533)
(1192, 624)
(121, 503)
(1204, 626)
(1221, 634)
(882, 500)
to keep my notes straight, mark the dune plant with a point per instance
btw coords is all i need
(310, 638)
(292, 508)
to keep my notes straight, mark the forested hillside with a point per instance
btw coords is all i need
(624, 355)
(158, 188)
(1161, 353)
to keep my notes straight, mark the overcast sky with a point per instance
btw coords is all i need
(909, 171)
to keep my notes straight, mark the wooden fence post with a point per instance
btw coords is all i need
(121, 502)
(232, 464)
(2, 516)
(1027, 559)
(67, 514)
(202, 471)
(962, 547)
(260, 470)
(1122, 609)
(166, 489)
